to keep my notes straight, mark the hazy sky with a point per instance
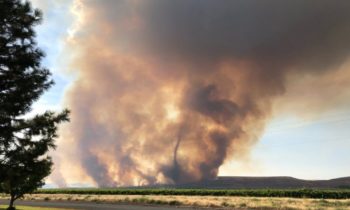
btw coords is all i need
(306, 136)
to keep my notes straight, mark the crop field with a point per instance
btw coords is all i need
(226, 202)
(292, 193)
(237, 199)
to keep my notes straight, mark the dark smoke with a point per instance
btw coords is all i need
(218, 65)
(206, 102)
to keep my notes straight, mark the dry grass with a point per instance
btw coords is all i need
(3, 207)
(205, 201)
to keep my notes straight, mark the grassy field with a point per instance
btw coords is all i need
(293, 193)
(237, 199)
(229, 202)
(2, 207)
(236, 202)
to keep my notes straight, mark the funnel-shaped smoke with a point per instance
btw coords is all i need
(167, 90)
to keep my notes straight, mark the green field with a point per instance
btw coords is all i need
(293, 193)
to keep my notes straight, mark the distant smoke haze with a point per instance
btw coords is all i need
(168, 90)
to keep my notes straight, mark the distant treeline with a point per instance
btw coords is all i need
(293, 193)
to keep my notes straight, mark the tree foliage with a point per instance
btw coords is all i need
(24, 141)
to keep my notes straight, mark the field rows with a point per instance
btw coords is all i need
(293, 193)
(229, 202)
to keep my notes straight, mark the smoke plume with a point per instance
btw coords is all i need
(168, 90)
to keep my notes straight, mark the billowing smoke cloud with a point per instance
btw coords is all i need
(168, 90)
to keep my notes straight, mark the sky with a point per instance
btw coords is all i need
(304, 132)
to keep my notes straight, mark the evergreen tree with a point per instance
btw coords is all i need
(24, 141)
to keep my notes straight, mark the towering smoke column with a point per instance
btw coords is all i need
(167, 90)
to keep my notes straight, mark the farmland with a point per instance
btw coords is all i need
(291, 193)
(228, 198)
(228, 202)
